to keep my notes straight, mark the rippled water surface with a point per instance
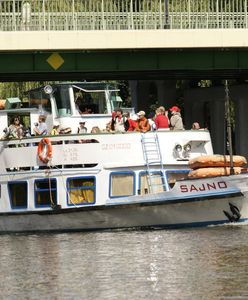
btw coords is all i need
(210, 263)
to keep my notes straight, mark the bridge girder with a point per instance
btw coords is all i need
(128, 64)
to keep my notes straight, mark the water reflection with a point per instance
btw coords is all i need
(191, 264)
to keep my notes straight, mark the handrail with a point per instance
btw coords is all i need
(18, 15)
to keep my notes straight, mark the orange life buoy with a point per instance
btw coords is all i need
(45, 150)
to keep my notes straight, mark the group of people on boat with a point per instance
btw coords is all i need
(122, 122)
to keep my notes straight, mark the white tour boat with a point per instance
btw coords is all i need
(94, 181)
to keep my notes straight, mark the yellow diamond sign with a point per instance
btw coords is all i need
(55, 61)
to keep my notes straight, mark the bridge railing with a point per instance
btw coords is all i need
(18, 15)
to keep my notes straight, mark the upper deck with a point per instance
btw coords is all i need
(104, 151)
(66, 103)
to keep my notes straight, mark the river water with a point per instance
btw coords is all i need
(209, 263)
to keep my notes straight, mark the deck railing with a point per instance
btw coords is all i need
(18, 15)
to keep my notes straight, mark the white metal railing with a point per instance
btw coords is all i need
(18, 15)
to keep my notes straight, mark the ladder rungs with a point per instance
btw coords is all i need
(152, 156)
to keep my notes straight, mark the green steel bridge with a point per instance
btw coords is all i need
(95, 39)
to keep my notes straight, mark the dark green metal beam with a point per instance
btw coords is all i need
(176, 63)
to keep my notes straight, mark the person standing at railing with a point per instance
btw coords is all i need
(176, 122)
(142, 122)
(161, 120)
(15, 129)
(41, 127)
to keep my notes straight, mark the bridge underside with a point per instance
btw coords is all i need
(128, 64)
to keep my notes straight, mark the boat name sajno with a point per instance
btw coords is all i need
(203, 187)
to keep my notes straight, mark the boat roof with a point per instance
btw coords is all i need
(86, 86)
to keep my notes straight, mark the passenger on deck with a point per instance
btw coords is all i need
(15, 129)
(132, 123)
(55, 130)
(161, 120)
(40, 127)
(95, 129)
(176, 122)
(66, 130)
(196, 126)
(82, 128)
(119, 122)
(107, 129)
(142, 122)
(151, 118)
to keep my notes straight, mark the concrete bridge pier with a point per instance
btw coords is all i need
(167, 92)
(217, 126)
(207, 107)
(241, 125)
(144, 93)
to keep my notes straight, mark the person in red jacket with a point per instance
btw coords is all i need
(161, 120)
(132, 123)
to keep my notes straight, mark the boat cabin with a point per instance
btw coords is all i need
(66, 104)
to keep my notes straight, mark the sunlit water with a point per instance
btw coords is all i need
(210, 263)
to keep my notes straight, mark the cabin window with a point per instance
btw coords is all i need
(176, 175)
(81, 190)
(39, 99)
(156, 179)
(18, 194)
(62, 97)
(122, 184)
(45, 192)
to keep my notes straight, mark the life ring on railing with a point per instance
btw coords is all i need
(45, 150)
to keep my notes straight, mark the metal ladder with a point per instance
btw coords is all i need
(152, 156)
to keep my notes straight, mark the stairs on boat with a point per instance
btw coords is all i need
(152, 155)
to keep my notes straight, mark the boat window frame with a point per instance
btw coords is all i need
(164, 182)
(55, 201)
(121, 173)
(83, 187)
(173, 171)
(9, 194)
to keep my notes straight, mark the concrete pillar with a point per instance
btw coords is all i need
(133, 87)
(241, 126)
(167, 92)
(218, 126)
(193, 112)
(143, 95)
(188, 111)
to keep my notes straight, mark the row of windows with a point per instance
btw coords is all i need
(82, 190)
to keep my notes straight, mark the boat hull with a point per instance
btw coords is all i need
(189, 212)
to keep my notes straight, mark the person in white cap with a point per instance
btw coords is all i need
(82, 128)
(142, 122)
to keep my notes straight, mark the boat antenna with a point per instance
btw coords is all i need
(229, 126)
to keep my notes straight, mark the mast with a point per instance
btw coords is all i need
(229, 126)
